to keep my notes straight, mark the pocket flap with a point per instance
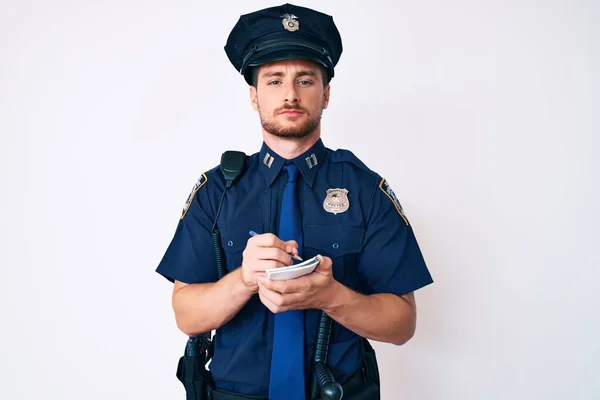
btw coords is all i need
(234, 240)
(334, 241)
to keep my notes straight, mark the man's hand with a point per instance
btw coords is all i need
(308, 291)
(263, 252)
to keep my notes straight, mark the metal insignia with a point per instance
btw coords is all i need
(290, 22)
(311, 161)
(268, 160)
(336, 201)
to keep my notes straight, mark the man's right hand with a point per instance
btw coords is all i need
(263, 252)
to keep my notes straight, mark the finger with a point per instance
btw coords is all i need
(296, 301)
(267, 240)
(273, 296)
(267, 303)
(273, 253)
(286, 302)
(292, 247)
(263, 258)
(288, 286)
(272, 300)
(325, 265)
(263, 265)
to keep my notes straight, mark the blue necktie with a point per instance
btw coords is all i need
(287, 360)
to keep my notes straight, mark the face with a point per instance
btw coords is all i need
(290, 98)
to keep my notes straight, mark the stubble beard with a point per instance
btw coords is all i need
(294, 132)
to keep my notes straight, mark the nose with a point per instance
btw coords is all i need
(291, 95)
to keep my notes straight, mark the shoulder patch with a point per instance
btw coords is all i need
(342, 155)
(387, 189)
(199, 183)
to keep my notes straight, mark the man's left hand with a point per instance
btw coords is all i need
(305, 292)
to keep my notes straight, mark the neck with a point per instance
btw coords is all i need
(289, 148)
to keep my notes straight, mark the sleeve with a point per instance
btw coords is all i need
(391, 260)
(190, 256)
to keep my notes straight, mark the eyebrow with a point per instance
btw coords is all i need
(280, 74)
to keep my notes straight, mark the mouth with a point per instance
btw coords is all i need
(291, 113)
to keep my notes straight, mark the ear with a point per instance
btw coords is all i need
(253, 98)
(326, 93)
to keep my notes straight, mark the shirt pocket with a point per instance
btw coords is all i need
(233, 243)
(340, 243)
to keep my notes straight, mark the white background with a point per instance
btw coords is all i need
(482, 115)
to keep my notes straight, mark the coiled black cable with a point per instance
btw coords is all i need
(330, 389)
(218, 250)
(216, 240)
(203, 342)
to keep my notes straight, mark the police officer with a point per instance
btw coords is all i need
(348, 215)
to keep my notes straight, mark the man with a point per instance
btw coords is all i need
(302, 199)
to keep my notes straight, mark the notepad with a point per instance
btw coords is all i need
(293, 271)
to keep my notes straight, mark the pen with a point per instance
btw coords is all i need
(294, 256)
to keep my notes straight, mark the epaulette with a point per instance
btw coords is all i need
(342, 155)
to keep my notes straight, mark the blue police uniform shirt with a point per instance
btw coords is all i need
(371, 244)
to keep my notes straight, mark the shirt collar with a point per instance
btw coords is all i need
(308, 162)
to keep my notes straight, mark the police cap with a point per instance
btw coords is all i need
(281, 33)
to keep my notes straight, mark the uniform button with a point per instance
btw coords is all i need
(230, 243)
(336, 246)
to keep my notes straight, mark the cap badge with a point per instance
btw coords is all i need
(336, 201)
(290, 22)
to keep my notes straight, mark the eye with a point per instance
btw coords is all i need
(274, 83)
(305, 82)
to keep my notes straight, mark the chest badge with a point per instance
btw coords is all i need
(336, 201)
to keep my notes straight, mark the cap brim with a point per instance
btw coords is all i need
(266, 56)
(279, 55)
